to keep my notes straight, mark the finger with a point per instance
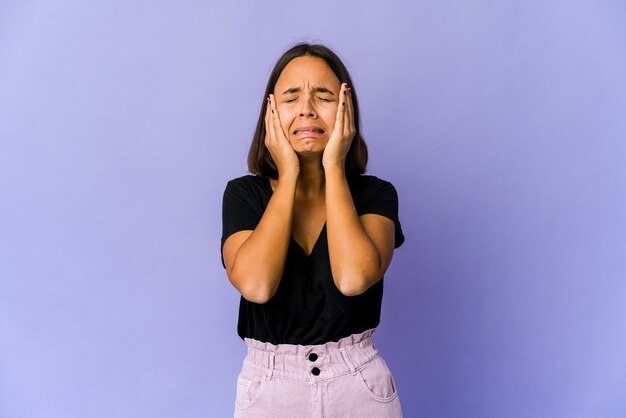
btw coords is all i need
(343, 105)
(349, 122)
(270, 125)
(278, 128)
(267, 120)
(340, 111)
(346, 101)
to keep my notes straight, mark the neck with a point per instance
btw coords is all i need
(311, 181)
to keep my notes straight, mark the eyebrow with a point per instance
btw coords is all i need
(315, 89)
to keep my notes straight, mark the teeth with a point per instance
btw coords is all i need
(318, 131)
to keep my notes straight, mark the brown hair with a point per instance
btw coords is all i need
(260, 161)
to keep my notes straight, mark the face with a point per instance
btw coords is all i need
(307, 98)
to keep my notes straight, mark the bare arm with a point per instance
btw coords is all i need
(360, 248)
(255, 260)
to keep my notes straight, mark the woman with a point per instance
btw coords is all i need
(306, 241)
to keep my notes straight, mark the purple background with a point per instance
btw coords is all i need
(502, 125)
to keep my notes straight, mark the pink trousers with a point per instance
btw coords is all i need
(340, 379)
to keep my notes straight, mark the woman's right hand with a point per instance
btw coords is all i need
(255, 259)
(277, 143)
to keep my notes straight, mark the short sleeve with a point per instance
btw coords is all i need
(376, 196)
(243, 204)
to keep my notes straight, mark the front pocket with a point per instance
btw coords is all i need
(378, 381)
(248, 389)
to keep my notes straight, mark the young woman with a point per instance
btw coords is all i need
(306, 241)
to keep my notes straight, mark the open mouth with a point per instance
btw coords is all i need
(309, 131)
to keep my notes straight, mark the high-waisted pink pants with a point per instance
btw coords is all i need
(340, 379)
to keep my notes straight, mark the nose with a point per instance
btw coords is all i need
(308, 107)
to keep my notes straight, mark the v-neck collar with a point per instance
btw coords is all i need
(315, 245)
(292, 239)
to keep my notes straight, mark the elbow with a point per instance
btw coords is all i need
(354, 282)
(256, 294)
(353, 279)
(254, 288)
(351, 290)
(353, 286)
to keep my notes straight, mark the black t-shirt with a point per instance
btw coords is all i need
(307, 308)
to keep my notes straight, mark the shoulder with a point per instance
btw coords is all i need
(367, 180)
(370, 185)
(248, 184)
(253, 190)
(374, 195)
(247, 181)
(377, 196)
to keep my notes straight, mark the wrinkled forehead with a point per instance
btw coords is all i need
(307, 72)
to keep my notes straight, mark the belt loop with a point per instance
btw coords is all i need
(348, 360)
(270, 366)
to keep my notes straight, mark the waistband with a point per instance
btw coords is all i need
(311, 363)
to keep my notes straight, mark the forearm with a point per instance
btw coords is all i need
(259, 263)
(354, 259)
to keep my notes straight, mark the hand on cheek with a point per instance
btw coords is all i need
(343, 131)
(277, 142)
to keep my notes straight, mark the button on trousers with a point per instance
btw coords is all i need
(340, 379)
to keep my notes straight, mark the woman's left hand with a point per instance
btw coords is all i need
(343, 132)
